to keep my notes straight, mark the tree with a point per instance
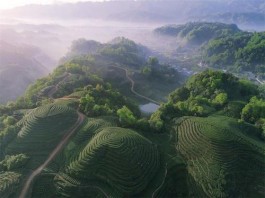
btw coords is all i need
(14, 161)
(156, 122)
(9, 121)
(254, 110)
(220, 99)
(153, 61)
(126, 116)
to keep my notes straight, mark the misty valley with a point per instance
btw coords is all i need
(132, 99)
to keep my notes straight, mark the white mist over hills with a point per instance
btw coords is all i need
(51, 26)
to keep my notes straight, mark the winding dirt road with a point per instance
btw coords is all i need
(55, 88)
(154, 193)
(52, 155)
(132, 86)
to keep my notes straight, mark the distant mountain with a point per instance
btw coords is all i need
(44, 36)
(219, 45)
(198, 32)
(139, 11)
(19, 66)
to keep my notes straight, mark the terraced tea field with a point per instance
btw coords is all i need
(41, 130)
(118, 161)
(9, 182)
(222, 160)
(202, 157)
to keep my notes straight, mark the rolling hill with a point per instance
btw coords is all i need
(222, 160)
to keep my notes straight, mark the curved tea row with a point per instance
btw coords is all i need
(42, 129)
(118, 160)
(219, 159)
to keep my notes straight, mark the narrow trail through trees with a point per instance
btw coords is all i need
(164, 179)
(132, 85)
(55, 88)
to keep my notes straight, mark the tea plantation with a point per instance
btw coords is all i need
(223, 161)
(197, 145)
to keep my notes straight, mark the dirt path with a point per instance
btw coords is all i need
(132, 86)
(260, 81)
(154, 193)
(52, 155)
(54, 89)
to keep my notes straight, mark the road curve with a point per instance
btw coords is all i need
(56, 87)
(132, 86)
(153, 195)
(52, 155)
(260, 81)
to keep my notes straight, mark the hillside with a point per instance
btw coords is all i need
(113, 63)
(221, 160)
(239, 52)
(19, 67)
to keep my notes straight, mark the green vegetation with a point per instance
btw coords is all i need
(125, 51)
(9, 182)
(156, 71)
(84, 69)
(219, 152)
(104, 101)
(13, 162)
(237, 52)
(254, 110)
(112, 160)
(126, 116)
(204, 94)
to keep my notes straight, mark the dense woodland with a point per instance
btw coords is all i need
(213, 92)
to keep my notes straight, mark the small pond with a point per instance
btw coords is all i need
(148, 108)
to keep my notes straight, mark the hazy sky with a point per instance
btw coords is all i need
(5, 4)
